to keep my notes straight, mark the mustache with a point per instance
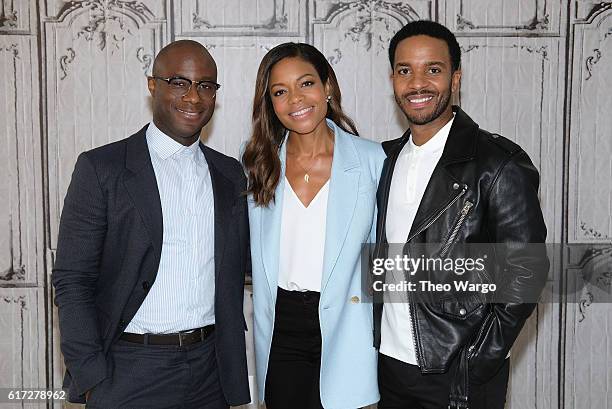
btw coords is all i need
(419, 92)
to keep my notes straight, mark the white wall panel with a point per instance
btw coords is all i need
(21, 222)
(513, 86)
(503, 17)
(97, 56)
(239, 17)
(590, 197)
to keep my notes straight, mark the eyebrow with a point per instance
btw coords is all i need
(305, 75)
(428, 64)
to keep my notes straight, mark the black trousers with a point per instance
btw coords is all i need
(402, 386)
(294, 366)
(156, 377)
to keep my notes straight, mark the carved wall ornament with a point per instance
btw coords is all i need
(588, 231)
(145, 59)
(535, 23)
(278, 21)
(597, 10)
(12, 274)
(336, 57)
(21, 300)
(543, 50)
(371, 22)
(108, 19)
(64, 61)
(13, 49)
(590, 62)
(465, 50)
(584, 303)
(8, 19)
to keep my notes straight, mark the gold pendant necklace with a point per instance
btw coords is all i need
(306, 175)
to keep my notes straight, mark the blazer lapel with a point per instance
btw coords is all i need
(141, 186)
(341, 202)
(271, 228)
(223, 196)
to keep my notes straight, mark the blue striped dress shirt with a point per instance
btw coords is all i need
(183, 294)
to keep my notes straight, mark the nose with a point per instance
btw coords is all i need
(295, 96)
(417, 81)
(192, 94)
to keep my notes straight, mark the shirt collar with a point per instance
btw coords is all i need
(436, 143)
(165, 147)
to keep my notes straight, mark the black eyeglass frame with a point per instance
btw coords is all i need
(215, 85)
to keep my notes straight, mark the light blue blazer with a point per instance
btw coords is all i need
(348, 359)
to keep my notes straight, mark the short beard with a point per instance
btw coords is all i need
(422, 120)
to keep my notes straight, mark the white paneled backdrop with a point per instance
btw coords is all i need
(72, 77)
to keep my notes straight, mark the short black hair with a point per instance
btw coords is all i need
(431, 29)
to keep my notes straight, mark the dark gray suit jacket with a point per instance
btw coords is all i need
(108, 253)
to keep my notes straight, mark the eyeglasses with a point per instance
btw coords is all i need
(180, 86)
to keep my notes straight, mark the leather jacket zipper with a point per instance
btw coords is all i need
(411, 303)
(455, 230)
(440, 213)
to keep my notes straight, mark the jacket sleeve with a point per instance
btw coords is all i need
(82, 231)
(514, 220)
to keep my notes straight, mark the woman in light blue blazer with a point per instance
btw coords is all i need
(312, 204)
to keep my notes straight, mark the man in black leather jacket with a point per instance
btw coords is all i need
(447, 181)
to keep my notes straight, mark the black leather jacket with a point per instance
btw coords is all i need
(483, 190)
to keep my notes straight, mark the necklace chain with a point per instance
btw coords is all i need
(306, 175)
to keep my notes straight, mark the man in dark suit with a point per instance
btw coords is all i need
(151, 257)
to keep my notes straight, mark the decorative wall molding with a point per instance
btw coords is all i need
(515, 17)
(8, 19)
(587, 11)
(590, 124)
(588, 231)
(102, 10)
(65, 60)
(12, 274)
(536, 23)
(368, 23)
(145, 59)
(279, 17)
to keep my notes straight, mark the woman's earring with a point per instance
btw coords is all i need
(328, 98)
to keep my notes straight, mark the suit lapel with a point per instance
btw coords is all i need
(223, 196)
(341, 202)
(141, 186)
(271, 228)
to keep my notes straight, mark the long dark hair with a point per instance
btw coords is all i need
(260, 157)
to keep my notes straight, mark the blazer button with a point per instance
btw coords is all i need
(355, 299)
(462, 311)
(145, 286)
(455, 185)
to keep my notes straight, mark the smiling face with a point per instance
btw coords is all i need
(423, 80)
(298, 95)
(182, 117)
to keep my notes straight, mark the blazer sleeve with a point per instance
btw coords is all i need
(82, 232)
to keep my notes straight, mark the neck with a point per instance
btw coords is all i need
(321, 140)
(423, 133)
(183, 140)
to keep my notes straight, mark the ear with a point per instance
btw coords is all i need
(151, 85)
(456, 81)
(328, 88)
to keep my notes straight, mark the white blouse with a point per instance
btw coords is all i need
(302, 240)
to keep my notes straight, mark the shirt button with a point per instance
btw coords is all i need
(355, 299)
